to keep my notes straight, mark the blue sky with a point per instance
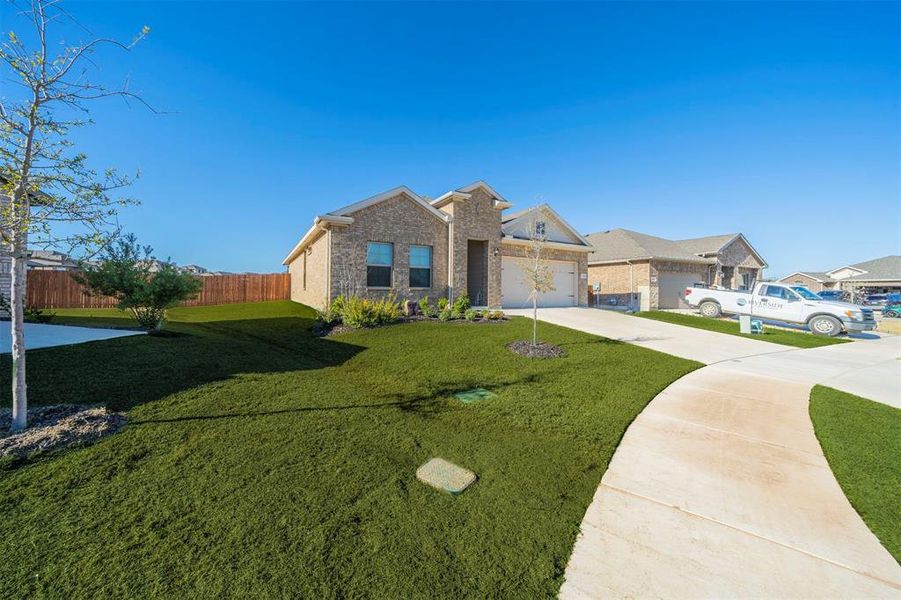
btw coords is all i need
(674, 119)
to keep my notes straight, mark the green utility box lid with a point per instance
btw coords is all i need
(473, 395)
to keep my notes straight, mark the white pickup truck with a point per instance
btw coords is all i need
(790, 304)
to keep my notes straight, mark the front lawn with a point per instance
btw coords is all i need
(862, 442)
(799, 339)
(262, 462)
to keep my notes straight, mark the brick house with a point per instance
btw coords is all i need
(880, 275)
(648, 272)
(461, 242)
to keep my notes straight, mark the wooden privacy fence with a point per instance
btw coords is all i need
(57, 289)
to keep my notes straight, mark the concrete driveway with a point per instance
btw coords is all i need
(720, 488)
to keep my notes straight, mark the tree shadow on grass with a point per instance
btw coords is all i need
(430, 403)
(126, 372)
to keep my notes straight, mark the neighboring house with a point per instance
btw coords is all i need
(632, 268)
(878, 276)
(50, 260)
(815, 281)
(459, 243)
(195, 269)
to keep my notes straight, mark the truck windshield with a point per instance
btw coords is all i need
(805, 293)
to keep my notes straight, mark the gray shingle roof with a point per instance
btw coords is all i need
(706, 245)
(885, 268)
(622, 244)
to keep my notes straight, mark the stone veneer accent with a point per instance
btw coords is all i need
(476, 218)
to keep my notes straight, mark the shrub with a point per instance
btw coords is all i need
(442, 304)
(36, 315)
(471, 315)
(445, 315)
(334, 314)
(125, 273)
(461, 304)
(358, 312)
(386, 310)
(496, 315)
(424, 306)
(429, 312)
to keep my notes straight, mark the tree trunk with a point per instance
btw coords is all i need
(17, 327)
(534, 319)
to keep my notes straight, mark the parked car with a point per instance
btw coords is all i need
(831, 295)
(892, 308)
(875, 300)
(790, 304)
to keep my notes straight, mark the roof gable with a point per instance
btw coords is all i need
(517, 225)
(348, 210)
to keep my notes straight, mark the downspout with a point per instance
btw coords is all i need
(631, 284)
(328, 267)
(450, 259)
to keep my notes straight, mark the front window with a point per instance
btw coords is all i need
(805, 293)
(379, 260)
(420, 266)
(540, 228)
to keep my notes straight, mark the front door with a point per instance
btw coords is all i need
(477, 272)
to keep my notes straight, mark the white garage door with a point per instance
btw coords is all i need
(672, 286)
(515, 291)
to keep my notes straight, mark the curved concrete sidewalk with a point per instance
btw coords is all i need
(719, 487)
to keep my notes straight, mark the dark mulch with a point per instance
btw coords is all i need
(57, 426)
(540, 350)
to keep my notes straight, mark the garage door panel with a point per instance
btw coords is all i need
(671, 288)
(515, 292)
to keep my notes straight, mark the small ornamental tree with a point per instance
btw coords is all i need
(537, 274)
(141, 284)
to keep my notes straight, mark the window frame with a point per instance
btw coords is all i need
(430, 268)
(390, 267)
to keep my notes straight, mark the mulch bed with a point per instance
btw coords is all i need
(540, 350)
(57, 426)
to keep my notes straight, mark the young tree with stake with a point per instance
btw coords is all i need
(537, 273)
(49, 196)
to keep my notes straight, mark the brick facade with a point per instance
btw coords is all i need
(401, 222)
(333, 261)
(476, 219)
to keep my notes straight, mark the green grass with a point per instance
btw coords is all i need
(262, 462)
(799, 339)
(862, 442)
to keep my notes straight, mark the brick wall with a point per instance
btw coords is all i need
(402, 222)
(309, 279)
(477, 219)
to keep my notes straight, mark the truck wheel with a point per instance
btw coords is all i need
(711, 309)
(891, 314)
(825, 325)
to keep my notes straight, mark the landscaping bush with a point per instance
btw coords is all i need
(427, 309)
(471, 315)
(359, 312)
(496, 315)
(446, 314)
(334, 314)
(386, 310)
(125, 273)
(37, 315)
(442, 304)
(462, 304)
